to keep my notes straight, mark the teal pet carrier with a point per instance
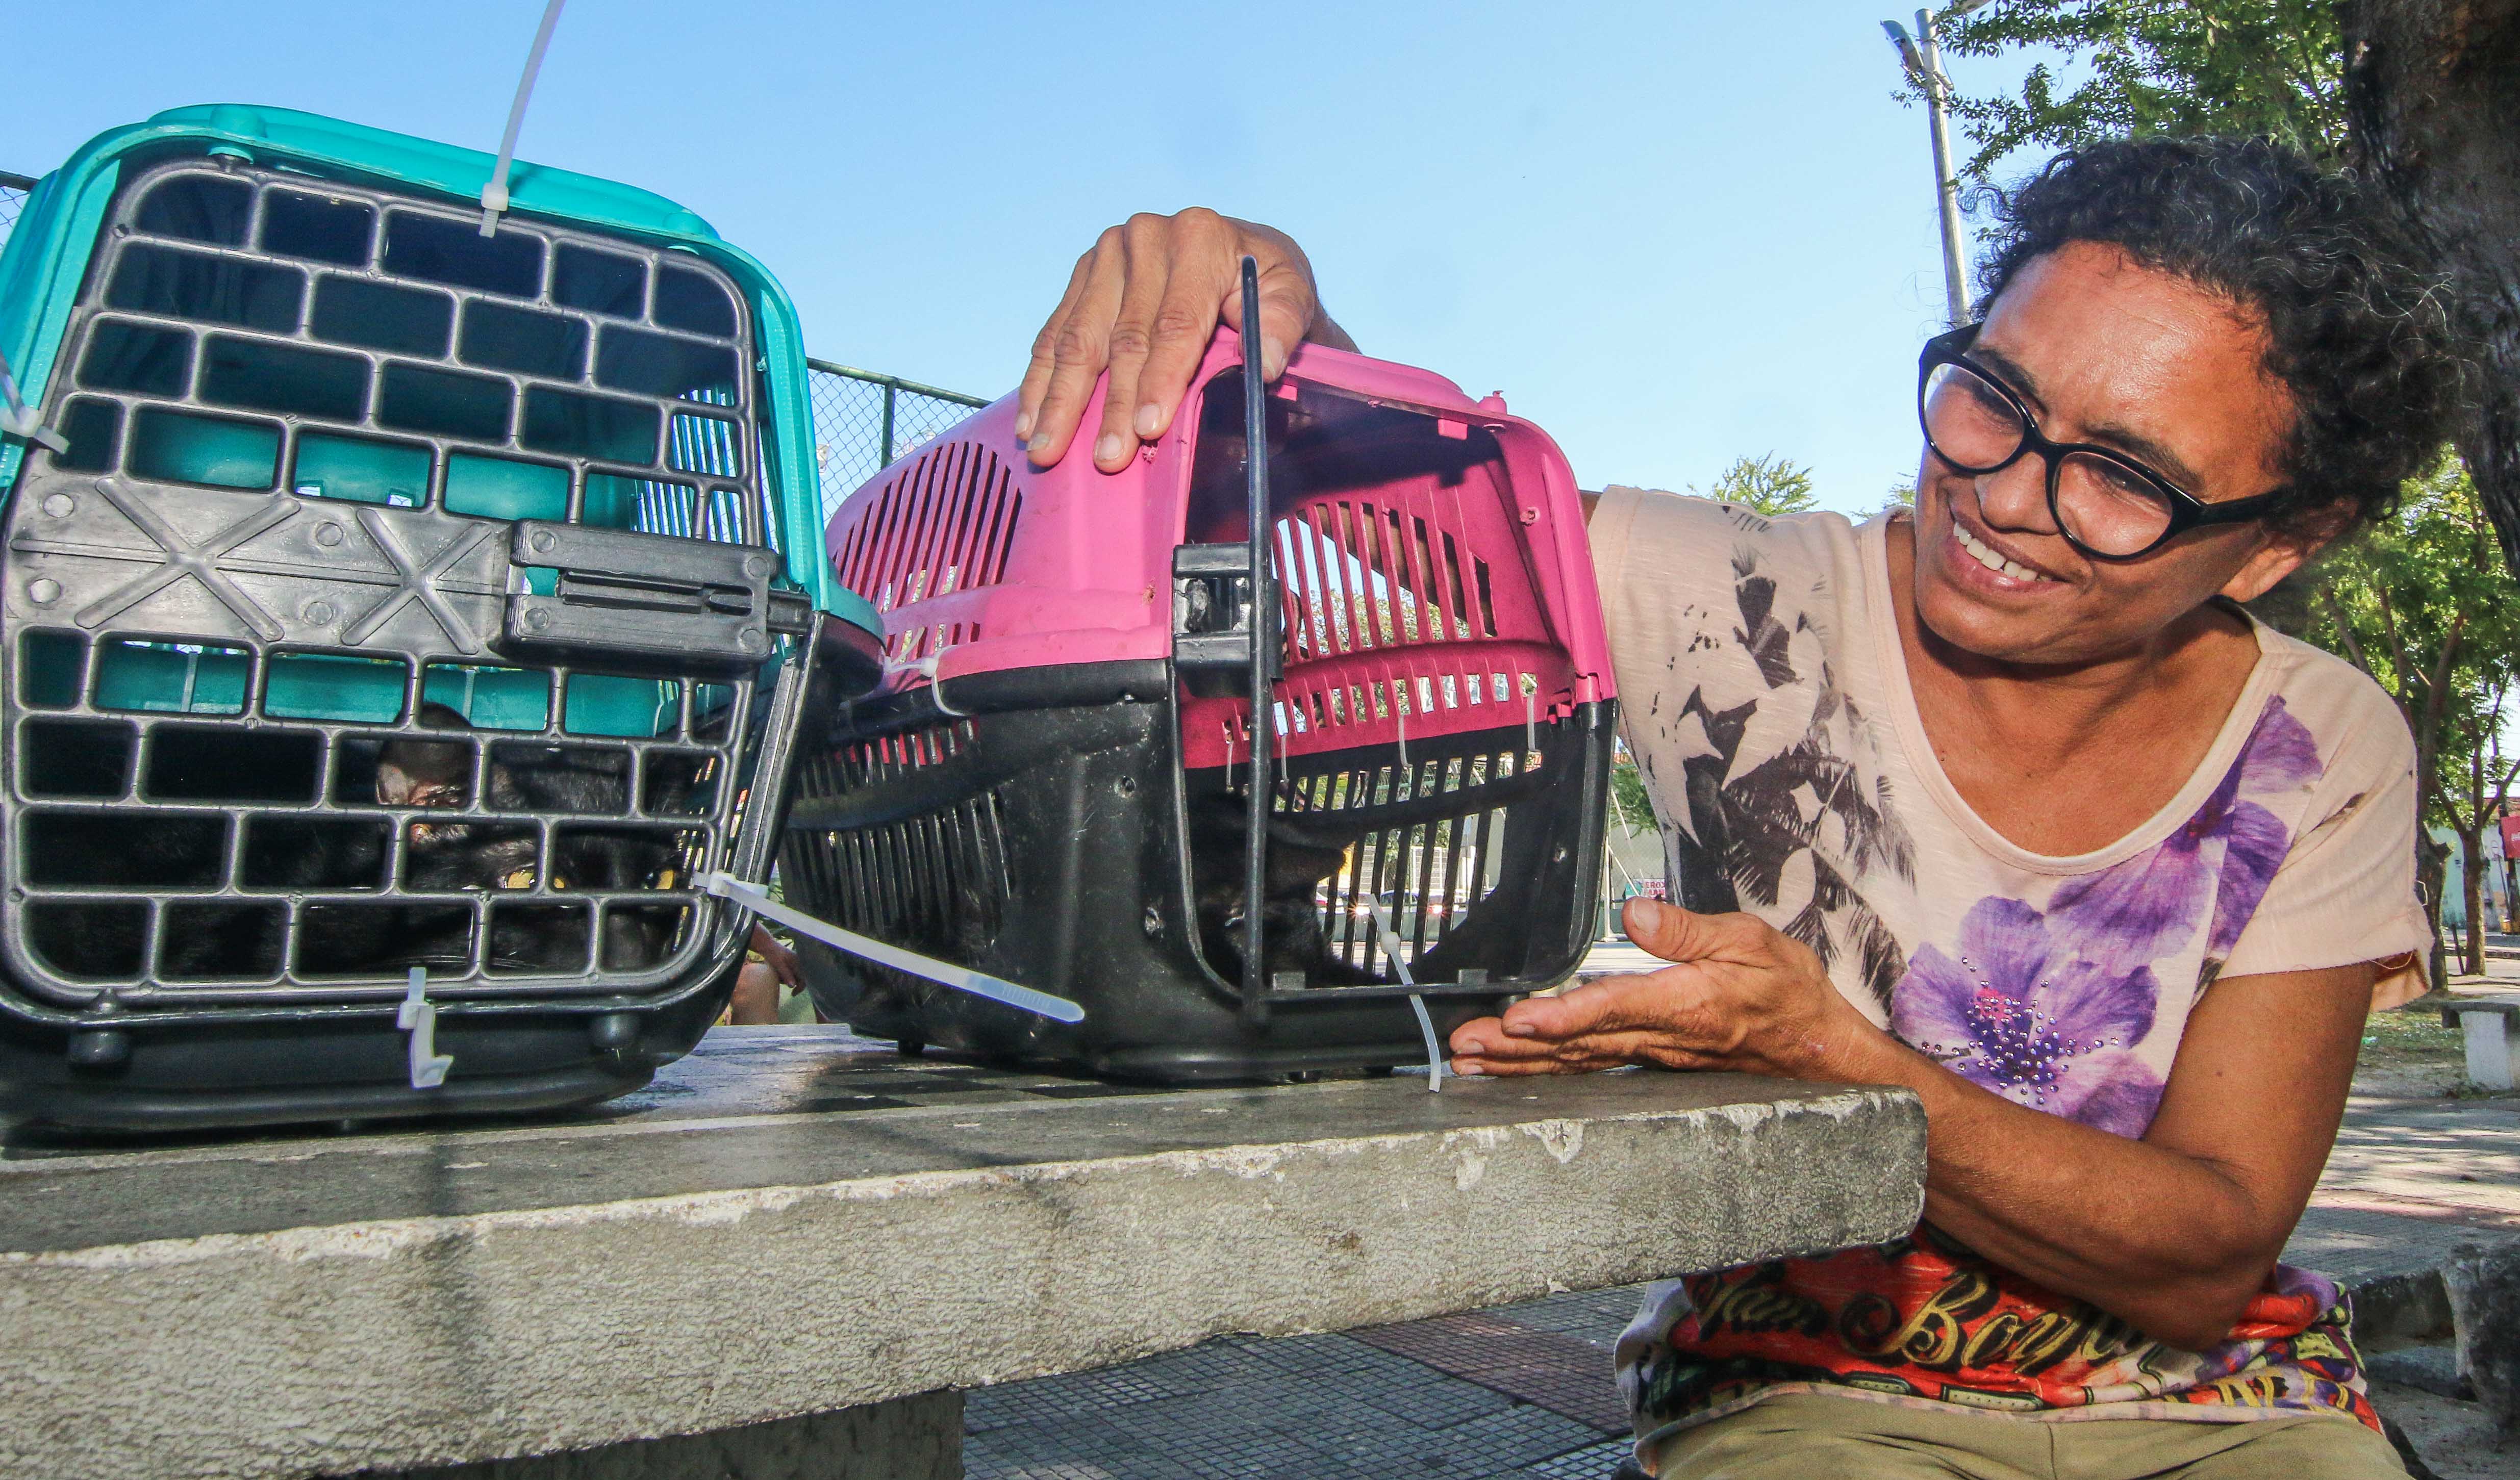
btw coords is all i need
(404, 608)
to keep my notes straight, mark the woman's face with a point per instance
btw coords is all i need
(2104, 350)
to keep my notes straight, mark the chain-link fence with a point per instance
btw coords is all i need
(863, 421)
(12, 199)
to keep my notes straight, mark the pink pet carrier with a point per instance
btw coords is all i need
(1055, 784)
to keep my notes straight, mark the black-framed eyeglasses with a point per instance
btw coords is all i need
(2107, 505)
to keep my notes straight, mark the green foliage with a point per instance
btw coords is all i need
(1769, 485)
(1628, 802)
(2424, 602)
(2272, 68)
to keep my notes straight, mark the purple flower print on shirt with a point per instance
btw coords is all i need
(2223, 857)
(2020, 1013)
(2047, 1009)
(2281, 756)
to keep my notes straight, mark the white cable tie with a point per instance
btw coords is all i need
(1417, 1001)
(942, 972)
(494, 195)
(1229, 757)
(1530, 719)
(1402, 715)
(17, 419)
(418, 1017)
(926, 668)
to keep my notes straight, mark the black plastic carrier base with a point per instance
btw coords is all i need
(1047, 832)
(404, 599)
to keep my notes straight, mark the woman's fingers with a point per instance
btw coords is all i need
(1505, 1067)
(1685, 935)
(1080, 345)
(1658, 1001)
(1045, 348)
(1207, 278)
(1289, 303)
(1466, 1037)
(1142, 304)
(1147, 258)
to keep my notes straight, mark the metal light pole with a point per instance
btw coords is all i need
(1921, 55)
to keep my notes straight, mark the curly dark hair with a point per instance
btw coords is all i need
(2358, 334)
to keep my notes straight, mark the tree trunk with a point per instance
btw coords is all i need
(2433, 93)
(2471, 868)
(2430, 857)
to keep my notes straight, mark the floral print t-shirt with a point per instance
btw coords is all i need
(1764, 697)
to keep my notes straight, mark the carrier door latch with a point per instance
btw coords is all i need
(1212, 606)
(616, 593)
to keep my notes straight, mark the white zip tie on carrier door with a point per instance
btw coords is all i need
(926, 668)
(1416, 1002)
(19, 419)
(494, 195)
(942, 972)
(418, 1017)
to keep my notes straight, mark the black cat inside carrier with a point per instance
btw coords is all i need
(402, 611)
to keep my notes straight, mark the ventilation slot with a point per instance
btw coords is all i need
(222, 940)
(944, 524)
(642, 937)
(134, 850)
(385, 940)
(315, 229)
(192, 284)
(549, 779)
(438, 857)
(299, 853)
(1356, 577)
(401, 773)
(587, 859)
(197, 208)
(679, 783)
(194, 763)
(90, 940)
(75, 758)
(538, 939)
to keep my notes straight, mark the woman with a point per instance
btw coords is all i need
(2006, 800)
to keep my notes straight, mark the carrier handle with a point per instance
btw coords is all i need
(1264, 654)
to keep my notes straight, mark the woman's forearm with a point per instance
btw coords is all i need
(2080, 1210)
(2173, 1233)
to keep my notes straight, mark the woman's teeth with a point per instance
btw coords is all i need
(1985, 554)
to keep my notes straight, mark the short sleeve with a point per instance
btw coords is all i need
(2344, 891)
(1611, 530)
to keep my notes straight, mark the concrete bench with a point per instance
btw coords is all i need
(785, 1257)
(2493, 1037)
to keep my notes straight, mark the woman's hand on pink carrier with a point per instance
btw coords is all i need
(1142, 304)
(1739, 995)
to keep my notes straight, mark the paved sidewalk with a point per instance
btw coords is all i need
(1524, 1391)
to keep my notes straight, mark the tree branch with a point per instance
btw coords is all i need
(2345, 634)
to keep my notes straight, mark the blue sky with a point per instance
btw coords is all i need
(1671, 234)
